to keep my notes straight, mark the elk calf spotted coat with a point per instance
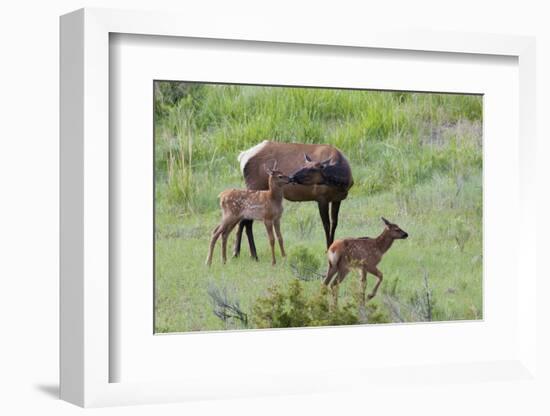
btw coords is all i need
(243, 204)
(362, 253)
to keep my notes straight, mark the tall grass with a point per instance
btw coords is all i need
(392, 139)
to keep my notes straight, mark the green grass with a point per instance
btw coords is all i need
(416, 160)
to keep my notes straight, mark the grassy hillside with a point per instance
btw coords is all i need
(416, 159)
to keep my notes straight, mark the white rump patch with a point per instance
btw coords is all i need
(333, 257)
(246, 155)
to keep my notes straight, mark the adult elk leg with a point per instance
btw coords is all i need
(238, 238)
(250, 236)
(246, 224)
(334, 209)
(323, 211)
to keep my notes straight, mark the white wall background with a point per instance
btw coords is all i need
(29, 56)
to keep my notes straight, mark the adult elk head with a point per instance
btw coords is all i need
(312, 172)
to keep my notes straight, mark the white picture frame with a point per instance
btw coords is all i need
(85, 220)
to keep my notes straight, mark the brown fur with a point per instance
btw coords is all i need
(239, 204)
(360, 253)
(290, 158)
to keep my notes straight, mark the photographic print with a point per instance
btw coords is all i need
(286, 207)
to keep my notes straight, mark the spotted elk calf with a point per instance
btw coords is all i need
(362, 253)
(241, 204)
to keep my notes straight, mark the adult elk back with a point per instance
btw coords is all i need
(318, 172)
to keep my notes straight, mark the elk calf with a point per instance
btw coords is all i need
(240, 204)
(360, 253)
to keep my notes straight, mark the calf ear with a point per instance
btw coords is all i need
(307, 158)
(326, 162)
(385, 221)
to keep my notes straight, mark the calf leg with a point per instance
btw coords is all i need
(224, 246)
(215, 235)
(269, 229)
(334, 289)
(277, 225)
(332, 270)
(379, 277)
(225, 234)
(335, 284)
(363, 285)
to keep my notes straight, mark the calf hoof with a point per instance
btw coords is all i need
(363, 318)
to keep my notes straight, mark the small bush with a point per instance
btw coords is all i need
(461, 233)
(422, 301)
(229, 311)
(375, 315)
(290, 308)
(304, 223)
(304, 264)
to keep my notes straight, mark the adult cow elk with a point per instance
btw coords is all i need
(321, 173)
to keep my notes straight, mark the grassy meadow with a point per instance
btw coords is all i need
(416, 160)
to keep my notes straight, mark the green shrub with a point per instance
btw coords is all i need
(290, 308)
(376, 315)
(303, 263)
(461, 232)
(303, 223)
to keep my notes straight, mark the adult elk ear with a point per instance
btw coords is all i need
(307, 158)
(385, 221)
(326, 162)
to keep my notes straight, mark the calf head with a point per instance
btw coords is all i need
(394, 230)
(276, 176)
